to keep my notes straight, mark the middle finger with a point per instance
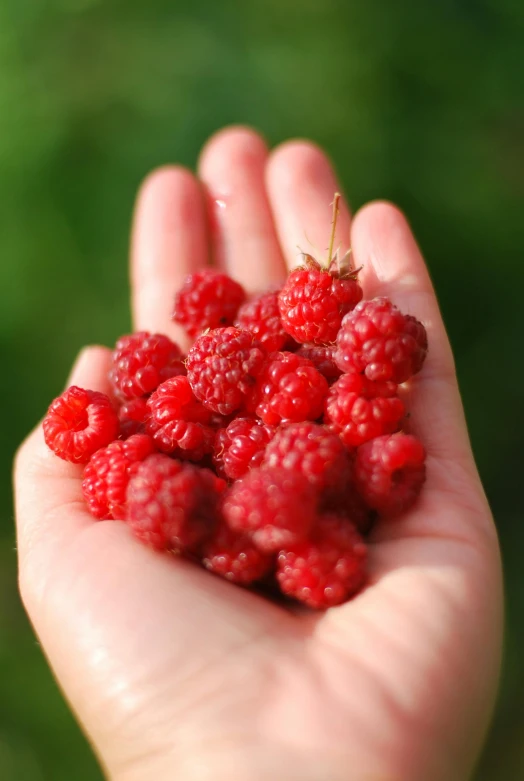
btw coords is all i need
(244, 241)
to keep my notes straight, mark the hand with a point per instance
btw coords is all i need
(174, 673)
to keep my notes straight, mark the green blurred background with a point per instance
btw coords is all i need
(419, 102)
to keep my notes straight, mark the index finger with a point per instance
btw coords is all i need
(170, 240)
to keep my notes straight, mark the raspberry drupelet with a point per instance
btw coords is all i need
(322, 356)
(208, 299)
(107, 475)
(311, 450)
(261, 316)
(274, 506)
(326, 569)
(173, 505)
(315, 298)
(390, 472)
(358, 409)
(377, 339)
(241, 447)
(288, 389)
(133, 414)
(141, 361)
(222, 368)
(178, 422)
(234, 557)
(78, 423)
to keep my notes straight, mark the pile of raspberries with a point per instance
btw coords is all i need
(268, 453)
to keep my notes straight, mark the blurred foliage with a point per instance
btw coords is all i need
(416, 101)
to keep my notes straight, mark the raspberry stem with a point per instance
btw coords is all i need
(336, 200)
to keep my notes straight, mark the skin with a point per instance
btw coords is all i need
(176, 674)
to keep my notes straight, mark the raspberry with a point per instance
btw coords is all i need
(178, 423)
(234, 557)
(78, 423)
(261, 316)
(274, 506)
(359, 409)
(108, 472)
(132, 415)
(141, 361)
(241, 447)
(173, 505)
(326, 569)
(320, 456)
(222, 367)
(322, 356)
(289, 389)
(390, 471)
(314, 300)
(208, 299)
(313, 451)
(377, 339)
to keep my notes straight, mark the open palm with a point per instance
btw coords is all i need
(176, 674)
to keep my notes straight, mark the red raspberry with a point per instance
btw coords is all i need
(132, 415)
(377, 339)
(178, 423)
(274, 506)
(322, 356)
(173, 505)
(320, 456)
(288, 389)
(261, 316)
(234, 557)
(241, 446)
(222, 367)
(359, 409)
(313, 451)
(141, 361)
(314, 300)
(108, 472)
(326, 569)
(390, 471)
(78, 423)
(208, 299)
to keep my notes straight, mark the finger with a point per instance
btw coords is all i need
(169, 241)
(301, 185)
(244, 241)
(48, 490)
(393, 266)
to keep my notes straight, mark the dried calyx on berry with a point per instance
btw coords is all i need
(317, 295)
